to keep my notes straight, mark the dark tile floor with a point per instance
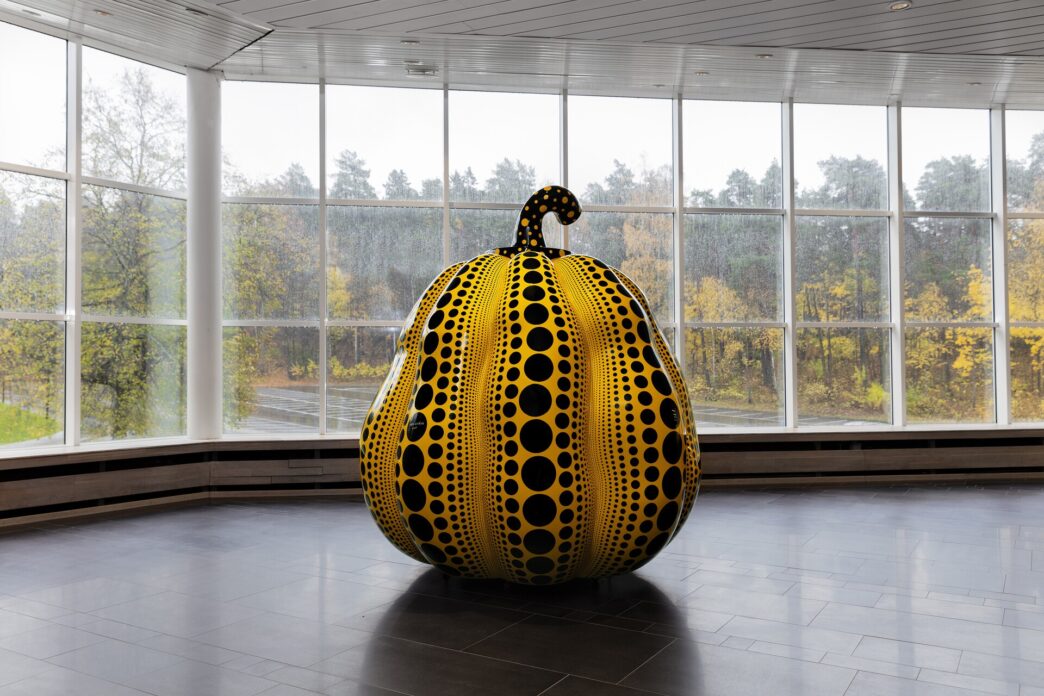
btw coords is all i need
(909, 591)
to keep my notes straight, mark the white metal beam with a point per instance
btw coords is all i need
(323, 304)
(73, 215)
(896, 240)
(679, 236)
(1001, 335)
(789, 263)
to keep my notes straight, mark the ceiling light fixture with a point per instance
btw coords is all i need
(900, 5)
(763, 56)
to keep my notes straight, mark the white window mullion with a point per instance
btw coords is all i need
(789, 261)
(563, 152)
(1002, 335)
(323, 313)
(896, 242)
(74, 215)
(445, 176)
(679, 238)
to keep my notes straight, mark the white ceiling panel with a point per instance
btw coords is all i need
(938, 26)
(183, 33)
(646, 69)
(940, 52)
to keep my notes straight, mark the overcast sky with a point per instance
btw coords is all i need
(267, 126)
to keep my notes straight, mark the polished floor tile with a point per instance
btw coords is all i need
(584, 649)
(685, 668)
(932, 591)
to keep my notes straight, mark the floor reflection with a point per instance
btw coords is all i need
(444, 635)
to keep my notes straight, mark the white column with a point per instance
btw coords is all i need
(1002, 336)
(896, 255)
(204, 255)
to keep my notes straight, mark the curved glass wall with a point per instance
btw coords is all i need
(801, 281)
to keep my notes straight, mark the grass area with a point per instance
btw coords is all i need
(18, 425)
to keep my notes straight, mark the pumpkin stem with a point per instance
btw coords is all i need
(550, 199)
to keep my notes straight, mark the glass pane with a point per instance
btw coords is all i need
(474, 232)
(271, 380)
(133, 254)
(639, 244)
(1024, 144)
(841, 156)
(32, 98)
(132, 381)
(948, 269)
(32, 383)
(735, 376)
(620, 150)
(842, 269)
(383, 143)
(270, 139)
(732, 154)
(843, 377)
(133, 122)
(1026, 270)
(357, 363)
(503, 146)
(271, 261)
(381, 260)
(946, 159)
(32, 243)
(949, 375)
(733, 268)
(1027, 374)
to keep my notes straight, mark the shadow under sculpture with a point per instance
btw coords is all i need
(413, 636)
(534, 426)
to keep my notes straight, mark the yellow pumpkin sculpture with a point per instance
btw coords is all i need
(534, 426)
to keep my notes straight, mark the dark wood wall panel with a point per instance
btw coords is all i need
(90, 481)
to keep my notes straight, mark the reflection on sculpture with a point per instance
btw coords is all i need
(534, 426)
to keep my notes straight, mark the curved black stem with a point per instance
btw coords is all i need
(550, 199)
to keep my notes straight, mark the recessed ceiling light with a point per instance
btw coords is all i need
(409, 42)
(763, 56)
(900, 5)
(700, 73)
(103, 13)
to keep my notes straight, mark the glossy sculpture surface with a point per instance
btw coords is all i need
(534, 425)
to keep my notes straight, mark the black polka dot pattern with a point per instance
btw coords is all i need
(380, 456)
(534, 426)
(690, 445)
